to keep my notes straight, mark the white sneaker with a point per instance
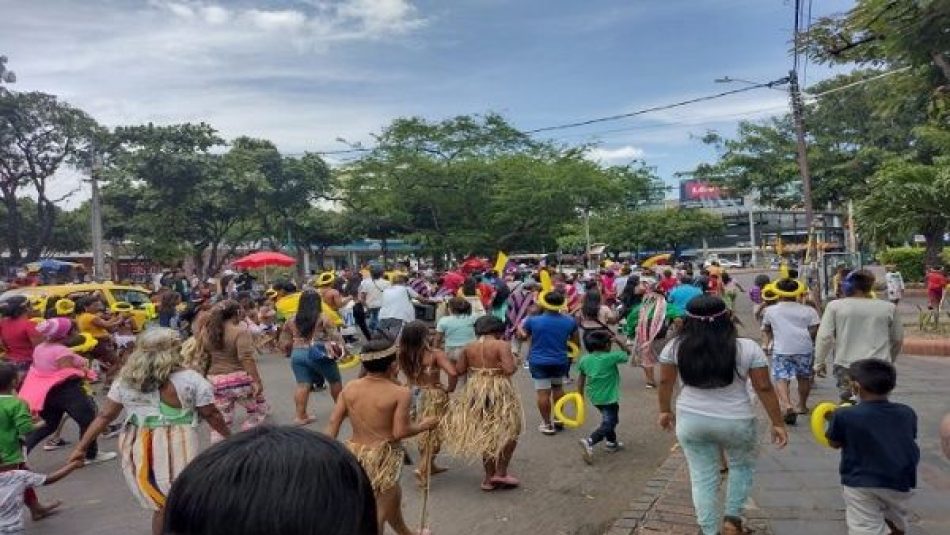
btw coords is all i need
(612, 447)
(102, 457)
(588, 450)
(547, 429)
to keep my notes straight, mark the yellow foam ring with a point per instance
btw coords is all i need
(542, 302)
(800, 290)
(89, 343)
(65, 307)
(546, 284)
(150, 311)
(769, 292)
(325, 278)
(573, 350)
(819, 424)
(270, 294)
(348, 362)
(578, 401)
(122, 306)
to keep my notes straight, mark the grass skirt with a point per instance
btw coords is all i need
(382, 463)
(485, 417)
(431, 402)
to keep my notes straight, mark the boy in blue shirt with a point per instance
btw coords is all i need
(879, 453)
(599, 383)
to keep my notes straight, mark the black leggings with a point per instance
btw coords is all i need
(65, 398)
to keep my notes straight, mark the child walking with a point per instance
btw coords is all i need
(14, 481)
(15, 423)
(599, 383)
(879, 452)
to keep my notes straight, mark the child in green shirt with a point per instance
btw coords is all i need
(15, 423)
(599, 383)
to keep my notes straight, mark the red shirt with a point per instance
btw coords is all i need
(667, 284)
(935, 280)
(452, 281)
(15, 334)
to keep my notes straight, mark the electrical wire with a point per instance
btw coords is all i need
(859, 82)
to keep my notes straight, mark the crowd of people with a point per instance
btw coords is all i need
(437, 356)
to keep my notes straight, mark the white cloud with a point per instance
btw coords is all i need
(283, 20)
(215, 14)
(617, 155)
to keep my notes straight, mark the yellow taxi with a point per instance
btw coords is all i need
(133, 299)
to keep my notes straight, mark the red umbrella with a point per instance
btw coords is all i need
(264, 259)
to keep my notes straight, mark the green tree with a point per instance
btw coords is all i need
(38, 134)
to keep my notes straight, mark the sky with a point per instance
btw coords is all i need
(307, 74)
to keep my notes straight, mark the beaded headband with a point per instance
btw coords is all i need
(709, 318)
(376, 355)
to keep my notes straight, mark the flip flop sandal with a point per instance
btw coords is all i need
(507, 482)
(487, 487)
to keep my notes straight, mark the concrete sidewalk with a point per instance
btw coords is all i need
(797, 489)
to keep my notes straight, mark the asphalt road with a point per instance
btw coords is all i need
(560, 494)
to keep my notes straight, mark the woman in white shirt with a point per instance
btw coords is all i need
(714, 411)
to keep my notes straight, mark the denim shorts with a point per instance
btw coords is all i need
(306, 369)
(548, 375)
(788, 367)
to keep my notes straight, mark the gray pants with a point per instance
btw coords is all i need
(866, 510)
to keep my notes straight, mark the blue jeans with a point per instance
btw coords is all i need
(372, 319)
(610, 415)
(702, 439)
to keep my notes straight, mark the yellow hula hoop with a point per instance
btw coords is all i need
(348, 362)
(573, 350)
(325, 278)
(578, 401)
(121, 307)
(542, 302)
(89, 343)
(818, 423)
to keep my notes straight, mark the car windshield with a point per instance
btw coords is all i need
(136, 298)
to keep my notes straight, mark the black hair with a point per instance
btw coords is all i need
(8, 376)
(761, 280)
(686, 279)
(308, 312)
(50, 311)
(378, 343)
(787, 285)
(470, 287)
(792, 273)
(14, 306)
(285, 480)
(590, 307)
(554, 298)
(861, 280)
(706, 345)
(488, 325)
(83, 303)
(289, 287)
(376, 272)
(875, 376)
(597, 340)
(460, 306)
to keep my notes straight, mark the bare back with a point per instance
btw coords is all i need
(487, 353)
(373, 404)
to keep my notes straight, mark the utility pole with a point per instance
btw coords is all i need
(752, 235)
(798, 117)
(587, 236)
(98, 257)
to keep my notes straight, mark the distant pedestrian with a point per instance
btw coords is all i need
(879, 453)
(857, 327)
(936, 281)
(894, 283)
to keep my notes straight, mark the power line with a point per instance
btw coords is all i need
(655, 108)
(859, 82)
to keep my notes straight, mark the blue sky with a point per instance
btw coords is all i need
(303, 73)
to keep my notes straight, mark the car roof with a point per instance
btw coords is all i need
(64, 289)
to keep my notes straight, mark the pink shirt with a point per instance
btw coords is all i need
(46, 355)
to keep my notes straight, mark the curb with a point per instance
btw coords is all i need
(666, 506)
(931, 347)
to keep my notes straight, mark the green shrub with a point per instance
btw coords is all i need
(909, 261)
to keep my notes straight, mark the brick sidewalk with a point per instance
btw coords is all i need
(666, 505)
(797, 489)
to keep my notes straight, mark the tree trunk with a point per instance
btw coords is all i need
(934, 241)
(14, 224)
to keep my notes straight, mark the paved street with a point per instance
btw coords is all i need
(560, 494)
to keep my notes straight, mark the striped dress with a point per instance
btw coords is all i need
(159, 440)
